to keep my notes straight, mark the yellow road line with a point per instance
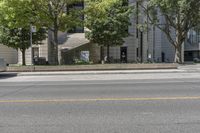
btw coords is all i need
(100, 99)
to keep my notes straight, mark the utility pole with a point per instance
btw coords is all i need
(31, 43)
(32, 30)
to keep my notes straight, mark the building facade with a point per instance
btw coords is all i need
(143, 45)
(192, 46)
(10, 55)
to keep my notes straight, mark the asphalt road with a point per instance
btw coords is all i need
(154, 103)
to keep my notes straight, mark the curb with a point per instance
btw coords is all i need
(106, 67)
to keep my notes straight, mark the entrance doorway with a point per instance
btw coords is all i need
(123, 55)
(35, 55)
(163, 57)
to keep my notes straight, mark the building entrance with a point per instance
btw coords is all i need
(123, 54)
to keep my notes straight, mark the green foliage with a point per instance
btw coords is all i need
(15, 38)
(57, 14)
(82, 62)
(107, 21)
(20, 38)
(17, 13)
(15, 19)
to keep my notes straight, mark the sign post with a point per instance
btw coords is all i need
(32, 30)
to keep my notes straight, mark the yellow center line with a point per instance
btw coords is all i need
(101, 99)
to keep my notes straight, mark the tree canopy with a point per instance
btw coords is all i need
(107, 22)
(57, 15)
(17, 13)
(173, 16)
(15, 19)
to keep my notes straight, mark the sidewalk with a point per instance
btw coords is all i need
(99, 67)
(98, 72)
(190, 67)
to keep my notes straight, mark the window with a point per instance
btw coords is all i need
(193, 36)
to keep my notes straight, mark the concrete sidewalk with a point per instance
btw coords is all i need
(93, 72)
(98, 67)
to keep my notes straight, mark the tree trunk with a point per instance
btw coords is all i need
(55, 53)
(178, 54)
(23, 57)
(101, 53)
(108, 53)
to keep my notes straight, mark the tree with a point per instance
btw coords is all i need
(57, 16)
(107, 22)
(15, 19)
(20, 39)
(179, 16)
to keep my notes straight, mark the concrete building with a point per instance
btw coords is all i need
(149, 45)
(192, 46)
(69, 46)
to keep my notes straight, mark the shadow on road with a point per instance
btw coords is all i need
(7, 75)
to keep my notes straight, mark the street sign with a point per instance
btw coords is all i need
(85, 56)
(33, 29)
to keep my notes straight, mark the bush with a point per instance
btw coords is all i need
(81, 62)
(196, 60)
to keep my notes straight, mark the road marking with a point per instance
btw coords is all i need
(100, 99)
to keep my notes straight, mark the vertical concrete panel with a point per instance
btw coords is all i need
(27, 57)
(43, 49)
(168, 48)
(9, 54)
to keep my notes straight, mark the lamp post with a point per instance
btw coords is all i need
(32, 30)
(31, 42)
(154, 42)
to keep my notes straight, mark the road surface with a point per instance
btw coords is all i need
(101, 103)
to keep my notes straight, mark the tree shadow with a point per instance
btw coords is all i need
(7, 75)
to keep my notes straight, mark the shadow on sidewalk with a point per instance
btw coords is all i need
(7, 75)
